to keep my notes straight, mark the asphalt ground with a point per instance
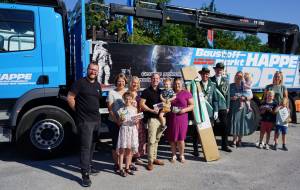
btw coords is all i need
(245, 168)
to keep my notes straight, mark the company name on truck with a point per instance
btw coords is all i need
(15, 78)
(261, 66)
(239, 58)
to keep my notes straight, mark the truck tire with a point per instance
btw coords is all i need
(256, 114)
(45, 131)
(292, 107)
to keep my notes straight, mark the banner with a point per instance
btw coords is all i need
(143, 60)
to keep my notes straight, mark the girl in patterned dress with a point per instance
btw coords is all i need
(128, 134)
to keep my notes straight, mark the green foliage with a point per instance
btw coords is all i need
(172, 34)
(95, 13)
(151, 32)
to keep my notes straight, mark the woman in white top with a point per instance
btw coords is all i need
(114, 103)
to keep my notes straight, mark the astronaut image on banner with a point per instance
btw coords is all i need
(102, 57)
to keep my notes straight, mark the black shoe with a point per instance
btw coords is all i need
(129, 171)
(86, 182)
(275, 147)
(93, 171)
(196, 153)
(284, 148)
(226, 149)
(133, 167)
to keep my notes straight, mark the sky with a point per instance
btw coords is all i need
(274, 10)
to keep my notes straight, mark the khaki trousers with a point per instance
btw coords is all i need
(154, 134)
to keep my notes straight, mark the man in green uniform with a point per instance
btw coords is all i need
(210, 94)
(222, 85)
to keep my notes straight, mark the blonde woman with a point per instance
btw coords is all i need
(277, 86)
(240, 119)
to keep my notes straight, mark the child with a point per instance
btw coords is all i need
(282, 120)
(267, 110)
(167, 95)
(128, 134)
(246, 89)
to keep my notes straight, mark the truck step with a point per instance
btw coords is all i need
(5, 134)
(4, 115)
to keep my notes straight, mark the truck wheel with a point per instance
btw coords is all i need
(292, 107)
(256, 114)
(44, 131)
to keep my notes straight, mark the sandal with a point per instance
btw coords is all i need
(123, 173)
(129, 171)
(173, 159)
(133, 167)
(182, 159)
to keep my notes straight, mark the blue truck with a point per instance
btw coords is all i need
(44, 49)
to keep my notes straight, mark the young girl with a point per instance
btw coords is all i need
(167, 95)
(282, 120)
(246, 85)
(267, 110)
(128, 134)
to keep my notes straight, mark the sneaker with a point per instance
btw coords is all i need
(266, 147)
(261, 145)
(173, 159)
(275, 147)
(182, 159)
(86, 181)
(284, 147)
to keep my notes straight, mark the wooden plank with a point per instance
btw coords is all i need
(201, 119)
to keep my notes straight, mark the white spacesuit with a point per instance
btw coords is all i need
(103, 58)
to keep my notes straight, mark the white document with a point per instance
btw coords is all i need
(283, 114)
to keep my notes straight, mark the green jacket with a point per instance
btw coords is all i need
(223, 92)
(211, 96)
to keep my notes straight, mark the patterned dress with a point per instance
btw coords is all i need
(128, 134)
(178, 123)
(241, 121)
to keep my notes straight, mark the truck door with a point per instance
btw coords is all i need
(20, 50)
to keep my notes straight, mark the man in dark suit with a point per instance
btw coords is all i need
(209, 91)
(222, 85)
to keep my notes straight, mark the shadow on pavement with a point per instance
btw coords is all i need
(65, 166)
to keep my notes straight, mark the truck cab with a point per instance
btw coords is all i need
(33, 74)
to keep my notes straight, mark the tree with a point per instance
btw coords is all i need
(95, 13)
